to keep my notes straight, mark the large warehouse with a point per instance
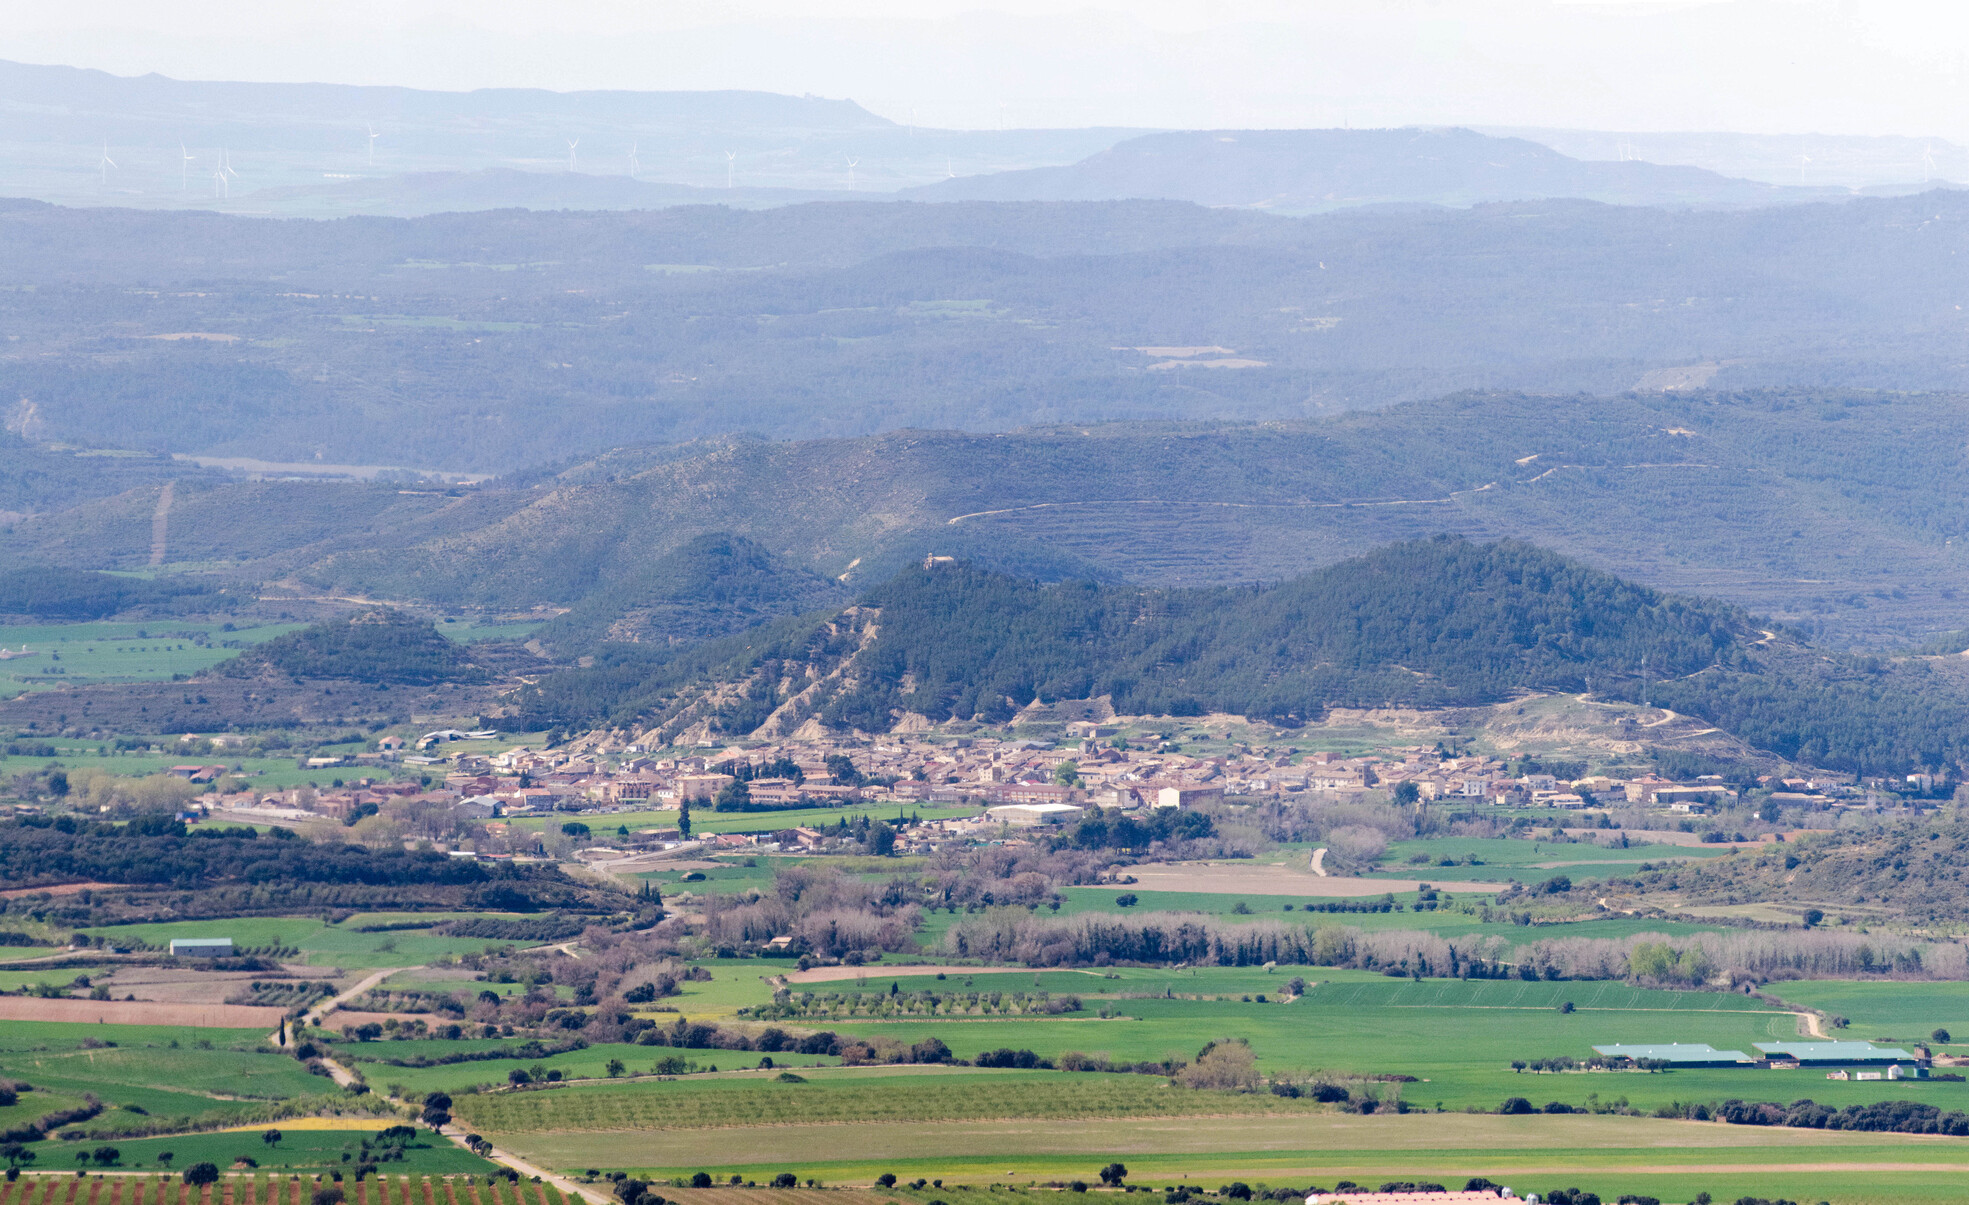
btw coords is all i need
(1681, 1054)
(1846, 1053)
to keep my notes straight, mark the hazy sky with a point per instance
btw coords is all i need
(1881, 66)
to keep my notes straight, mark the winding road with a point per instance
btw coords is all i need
(344, 1077)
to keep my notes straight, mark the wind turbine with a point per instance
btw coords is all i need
(372, 143)
(105, 163)
(571, 144)
(220, 185)
(184, 168)
(225, 165)
(1927, 163)
(1802, 161)
(731, 162)
(634, 166)
(950, 173)
(851, 171)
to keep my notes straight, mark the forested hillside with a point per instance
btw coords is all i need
(54, 593)
(377, 645)
(1430, 623)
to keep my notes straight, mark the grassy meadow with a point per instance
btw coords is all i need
(1492, 859)
(77, 654)
(321, 944)
(145, 1072)
(1884, 1007)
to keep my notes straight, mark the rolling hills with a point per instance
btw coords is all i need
(1821, 509)
(491, 342)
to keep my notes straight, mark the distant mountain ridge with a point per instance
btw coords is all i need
(323, 149)
(1312, 171)
(92, 96)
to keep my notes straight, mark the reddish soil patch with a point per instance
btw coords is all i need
(140, 1012)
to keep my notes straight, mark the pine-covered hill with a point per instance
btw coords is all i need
(48, 592)
(713, 585)
(1429, 623)
(381, 645)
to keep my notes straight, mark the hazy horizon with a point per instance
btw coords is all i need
(1750, 66)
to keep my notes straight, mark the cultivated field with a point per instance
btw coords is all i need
(321, 944)
(139, 1012)
(1610, 1155)
(76, 654)
(1909, 1011)
(874, 1095)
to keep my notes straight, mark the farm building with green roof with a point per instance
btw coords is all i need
(1834, 1052)
(1681, 1054)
